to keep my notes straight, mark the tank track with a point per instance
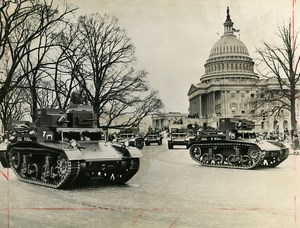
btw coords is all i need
(43, 166)
(274, 158)
(4, 160)
(222, 154)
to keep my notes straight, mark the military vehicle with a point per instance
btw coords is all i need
(62, 147)
(178, 136)
(153, 137)
(234, 145)
(131, 137)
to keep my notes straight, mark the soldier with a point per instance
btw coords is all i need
(80, 96)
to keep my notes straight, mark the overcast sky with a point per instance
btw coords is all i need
(173, 38)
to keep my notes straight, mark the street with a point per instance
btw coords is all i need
(170, 190)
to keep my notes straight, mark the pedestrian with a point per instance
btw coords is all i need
(296, 144)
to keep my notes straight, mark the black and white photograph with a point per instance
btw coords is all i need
(149, 113)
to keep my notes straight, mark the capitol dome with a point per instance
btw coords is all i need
(229, 57)
(229, 45)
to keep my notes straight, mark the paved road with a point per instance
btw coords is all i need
(170, 190)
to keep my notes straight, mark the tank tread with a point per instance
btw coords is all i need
(134, 167)
(3, 159)
(236, 155)
(71, 168)
(273, 159)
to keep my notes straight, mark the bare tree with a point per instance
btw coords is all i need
(25, 26)
(281, 65)
(66, 64)
(103, 57)
(12, 107)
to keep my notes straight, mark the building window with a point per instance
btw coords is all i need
(232, 95)
(218, 108)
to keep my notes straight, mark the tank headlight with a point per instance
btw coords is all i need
(73, 143)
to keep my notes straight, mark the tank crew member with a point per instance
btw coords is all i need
(80, 96)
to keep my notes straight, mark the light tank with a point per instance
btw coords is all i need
(131, 137)
(177, 136)
(153, 137)
(233, 145)
(62, 147)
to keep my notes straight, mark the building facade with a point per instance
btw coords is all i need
(229, 83)
(164, 120)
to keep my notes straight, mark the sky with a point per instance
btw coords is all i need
(173, 38)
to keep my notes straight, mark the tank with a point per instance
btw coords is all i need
(131, 137)
(235, 146)
(177, 136)
(153, 137)
(63, 147)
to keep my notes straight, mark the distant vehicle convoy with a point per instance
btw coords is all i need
(63, 147)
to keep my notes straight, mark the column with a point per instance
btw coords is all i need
(213, 103)
(200, 107)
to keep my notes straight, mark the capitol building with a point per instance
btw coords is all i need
(229, 84)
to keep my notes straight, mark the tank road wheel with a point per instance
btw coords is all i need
(195, 152)
(205, 159)
(14, 159)
(45, 173)
(62, 168)
(246, 160)
(232, 159)
(254, 153)
(219, 159)
(33, 171)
